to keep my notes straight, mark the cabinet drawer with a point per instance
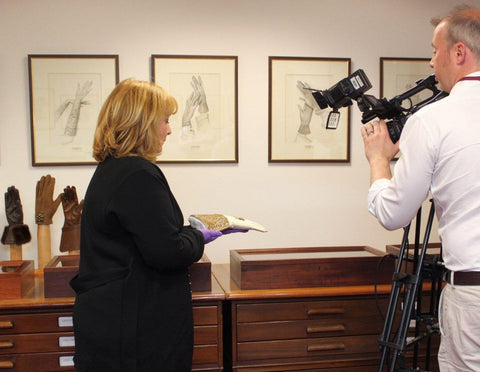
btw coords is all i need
(272, 311)
(35, 323)
(37, 362)
(36, 343)
(308, 348)
(205, 335)
(205, 354)
(205, 315)
(280, 330)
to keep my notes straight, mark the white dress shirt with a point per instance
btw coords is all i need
(440, 147)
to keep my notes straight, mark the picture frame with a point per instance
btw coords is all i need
(298, 128)
(205, 129)
(66, 95)
(397, 75)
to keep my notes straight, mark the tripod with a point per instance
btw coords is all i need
(394, 347)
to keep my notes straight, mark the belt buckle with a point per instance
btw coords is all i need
(449, 276)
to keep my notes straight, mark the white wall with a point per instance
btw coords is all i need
(301, 204)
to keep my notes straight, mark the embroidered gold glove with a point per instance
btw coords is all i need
(221, 222)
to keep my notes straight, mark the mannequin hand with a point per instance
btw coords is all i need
(210, 235)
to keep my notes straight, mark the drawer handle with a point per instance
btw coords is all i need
(6, 364)
(6, 344)
(326, 347)
(6, 324)
(328, 328)
(327, 311)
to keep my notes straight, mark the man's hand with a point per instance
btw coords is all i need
(379, 149)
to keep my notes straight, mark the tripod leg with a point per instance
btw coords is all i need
(411, 283)
(397, 283)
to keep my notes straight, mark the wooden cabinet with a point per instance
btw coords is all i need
(303, 329)
(35, 340)
(36, 334)
(208, 332)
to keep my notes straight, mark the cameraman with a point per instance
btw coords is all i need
(440, 147)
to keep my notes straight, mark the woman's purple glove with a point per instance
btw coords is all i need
(230, 231)
(210, 235)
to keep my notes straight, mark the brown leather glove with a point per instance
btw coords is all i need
(72, 210)
(45, 206)
(16, 232)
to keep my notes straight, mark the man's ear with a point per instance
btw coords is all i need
(461, 51)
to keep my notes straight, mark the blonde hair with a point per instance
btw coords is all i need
(126, 121)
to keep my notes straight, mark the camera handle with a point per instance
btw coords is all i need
(395, 349)
(372, 107)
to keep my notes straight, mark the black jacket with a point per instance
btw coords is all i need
(133, 307)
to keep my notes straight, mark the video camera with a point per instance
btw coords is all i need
(353, 88)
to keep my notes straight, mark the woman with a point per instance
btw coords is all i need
(133, 308)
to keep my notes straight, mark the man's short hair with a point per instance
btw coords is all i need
(463, 25)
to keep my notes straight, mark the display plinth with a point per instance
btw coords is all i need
(17, 278)
(61, 269)
(274, 268)
(201, 275)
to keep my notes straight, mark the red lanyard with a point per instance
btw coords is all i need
(470, 78)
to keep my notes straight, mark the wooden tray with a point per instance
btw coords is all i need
(17, 278)
(201, 275)
(57, 275)
(61, 269)
(309, 267)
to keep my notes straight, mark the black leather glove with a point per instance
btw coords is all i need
(16, 232)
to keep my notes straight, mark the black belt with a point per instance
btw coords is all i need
(462, 277)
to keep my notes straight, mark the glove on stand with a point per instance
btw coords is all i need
(16, 233)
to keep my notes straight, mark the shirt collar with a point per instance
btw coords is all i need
(462, 83)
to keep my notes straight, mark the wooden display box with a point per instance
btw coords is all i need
(201, 275)
(433, 254)
(57, 275)
(309, 267)
(61, 269)
(17, 278)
